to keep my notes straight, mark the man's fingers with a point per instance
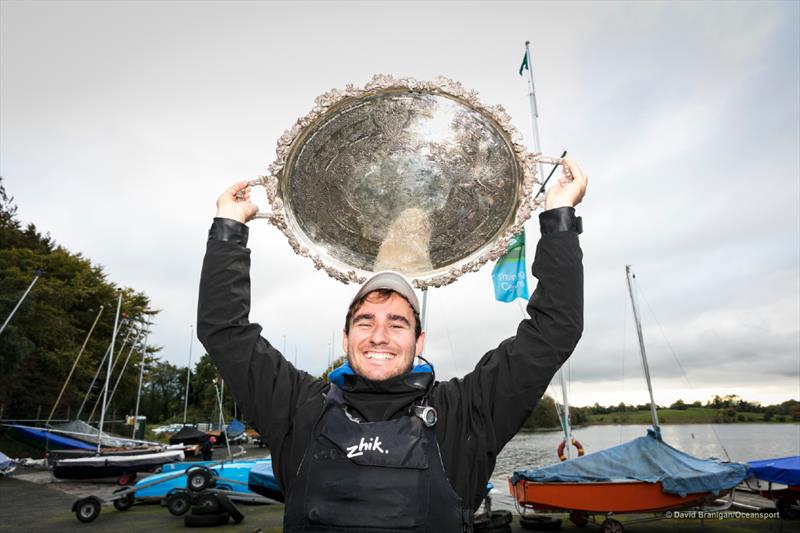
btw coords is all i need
(234, 189)
(575, 170)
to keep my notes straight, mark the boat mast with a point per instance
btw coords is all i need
(108, 376)
(124, 321)
(188, 373)
(72, 370)
(36, 277)
(124, 366)
(565, 413)
(629, 276)
(139, 393)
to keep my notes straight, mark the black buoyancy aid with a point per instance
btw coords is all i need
(372, 476)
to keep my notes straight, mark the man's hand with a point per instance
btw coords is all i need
(566, 193)
(235, 203)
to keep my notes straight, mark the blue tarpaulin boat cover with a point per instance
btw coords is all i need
(235, 428)
(785, 470)
(646, 459)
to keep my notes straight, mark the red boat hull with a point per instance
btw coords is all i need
(602, 497)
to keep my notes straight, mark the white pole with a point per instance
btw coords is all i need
(119, 353)
(124, 366)
(645, 366)
(223, 431)
(221, 399)
(139, 393)
(423, 318)
(108, 376)
(565, 424)
(537, 146)
(35, 279)
(188, 373)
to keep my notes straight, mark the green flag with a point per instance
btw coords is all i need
(509, 275)
(524, 64)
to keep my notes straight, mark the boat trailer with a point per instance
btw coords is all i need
(204, 489)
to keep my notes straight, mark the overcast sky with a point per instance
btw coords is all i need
(121, 122)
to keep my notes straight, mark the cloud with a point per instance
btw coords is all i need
(685, 116)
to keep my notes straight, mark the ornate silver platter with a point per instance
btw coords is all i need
(417, 177)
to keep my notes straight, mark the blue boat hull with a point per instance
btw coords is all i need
(232, 476)
(46, 440)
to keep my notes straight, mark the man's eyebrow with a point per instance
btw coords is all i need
(399, 318)
(363, 316)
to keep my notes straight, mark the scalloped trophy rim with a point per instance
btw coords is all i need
(292, 138)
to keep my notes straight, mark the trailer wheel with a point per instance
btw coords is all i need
(198, 479)
(206, 503)
(610, 525)
(125, 502)
(87, 509)
(178, 503)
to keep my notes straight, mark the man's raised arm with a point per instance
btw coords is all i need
(263, 382)
(509, 380)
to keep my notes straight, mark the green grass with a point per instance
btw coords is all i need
(692, 415)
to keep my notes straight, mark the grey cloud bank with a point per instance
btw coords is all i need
(121, 122)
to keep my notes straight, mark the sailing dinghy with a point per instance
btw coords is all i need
(102, 466)
(643, 475)
(778, 480)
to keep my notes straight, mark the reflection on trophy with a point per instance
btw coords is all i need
(417, 177)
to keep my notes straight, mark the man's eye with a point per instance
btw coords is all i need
(398, 326)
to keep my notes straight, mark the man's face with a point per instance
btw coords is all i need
(381, 342)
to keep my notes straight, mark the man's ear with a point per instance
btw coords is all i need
(344, 341)
(420, 343)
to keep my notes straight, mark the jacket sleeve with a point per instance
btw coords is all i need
(265, 385)
(508, 381)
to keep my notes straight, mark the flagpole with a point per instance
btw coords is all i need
(537, 147)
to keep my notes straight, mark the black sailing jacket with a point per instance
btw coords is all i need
(478, 414)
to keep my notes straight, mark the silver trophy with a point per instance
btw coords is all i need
(413, 176)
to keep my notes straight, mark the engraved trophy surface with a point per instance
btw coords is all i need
(417, 177)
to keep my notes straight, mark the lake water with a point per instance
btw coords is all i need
(743, 442)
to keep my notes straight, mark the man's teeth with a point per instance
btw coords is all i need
(379, 355)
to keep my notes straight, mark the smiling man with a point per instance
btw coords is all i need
(382, 332)
(383, 446)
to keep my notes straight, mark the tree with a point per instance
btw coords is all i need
(679, 405)
(543, 416)
(163, 394)
(40, 344)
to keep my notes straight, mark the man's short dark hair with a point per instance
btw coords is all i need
(382, 296)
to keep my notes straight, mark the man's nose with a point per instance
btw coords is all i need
(379, 335)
